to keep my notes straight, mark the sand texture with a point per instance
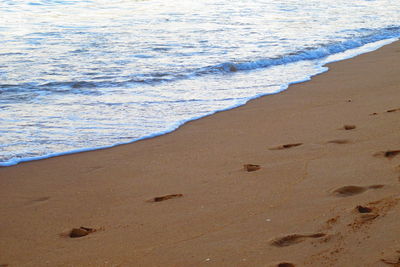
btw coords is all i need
(307, 177)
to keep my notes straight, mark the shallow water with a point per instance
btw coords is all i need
(76, 75)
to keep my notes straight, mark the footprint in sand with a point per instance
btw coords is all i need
(362, 209)
(166, 197)
(393, 110)
(351, 190)
(348, 127)
(339, 141)
(294, 239)
(251, 167)
(36, 201)
(391, 153)
(79, 232)
(286, 264)
(388, 111)
(373, 210)
(41, 199)
(82, 231)
(286, 146)
(387, 154)
(367, 214)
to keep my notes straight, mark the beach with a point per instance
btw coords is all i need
(325, 193)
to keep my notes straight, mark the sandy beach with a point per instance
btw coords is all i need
(323, 188)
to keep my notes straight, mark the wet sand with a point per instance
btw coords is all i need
(308, 177)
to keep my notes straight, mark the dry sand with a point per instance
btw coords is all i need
(330, 200)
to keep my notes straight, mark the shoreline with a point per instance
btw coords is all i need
(340, 56)
(226, 216)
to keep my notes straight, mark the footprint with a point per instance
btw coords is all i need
(36, 201)
(387, 154)
(373, 210)
(349, 127)
(286, 264)
(362, 209)
(94, 168)
(376, 186)
(351, 190)
(166, 197)
(393, 110)
(251, 167)
(40, 199)
(79, 232)
(339, 141)
(285, 146)
(294, 239)
(391, 153)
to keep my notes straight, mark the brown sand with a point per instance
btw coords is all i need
(301, 207)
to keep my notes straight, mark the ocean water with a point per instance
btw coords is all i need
(79, 75)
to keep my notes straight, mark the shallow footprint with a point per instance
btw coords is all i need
(339, 141)
(375, 186)
(387, 154)
(294, 239)
(36, 201)
(351, 190)
(392, 153)
(251, 167)
(79, 232)
(286, 264)
(82, 231)
(393, 110)
(286, 146)
(349, 127)
(166, 197)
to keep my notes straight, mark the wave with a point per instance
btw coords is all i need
(309, 53)
(368, 47)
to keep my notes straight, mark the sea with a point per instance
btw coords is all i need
(78, 75)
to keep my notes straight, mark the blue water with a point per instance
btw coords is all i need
(78, 75)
